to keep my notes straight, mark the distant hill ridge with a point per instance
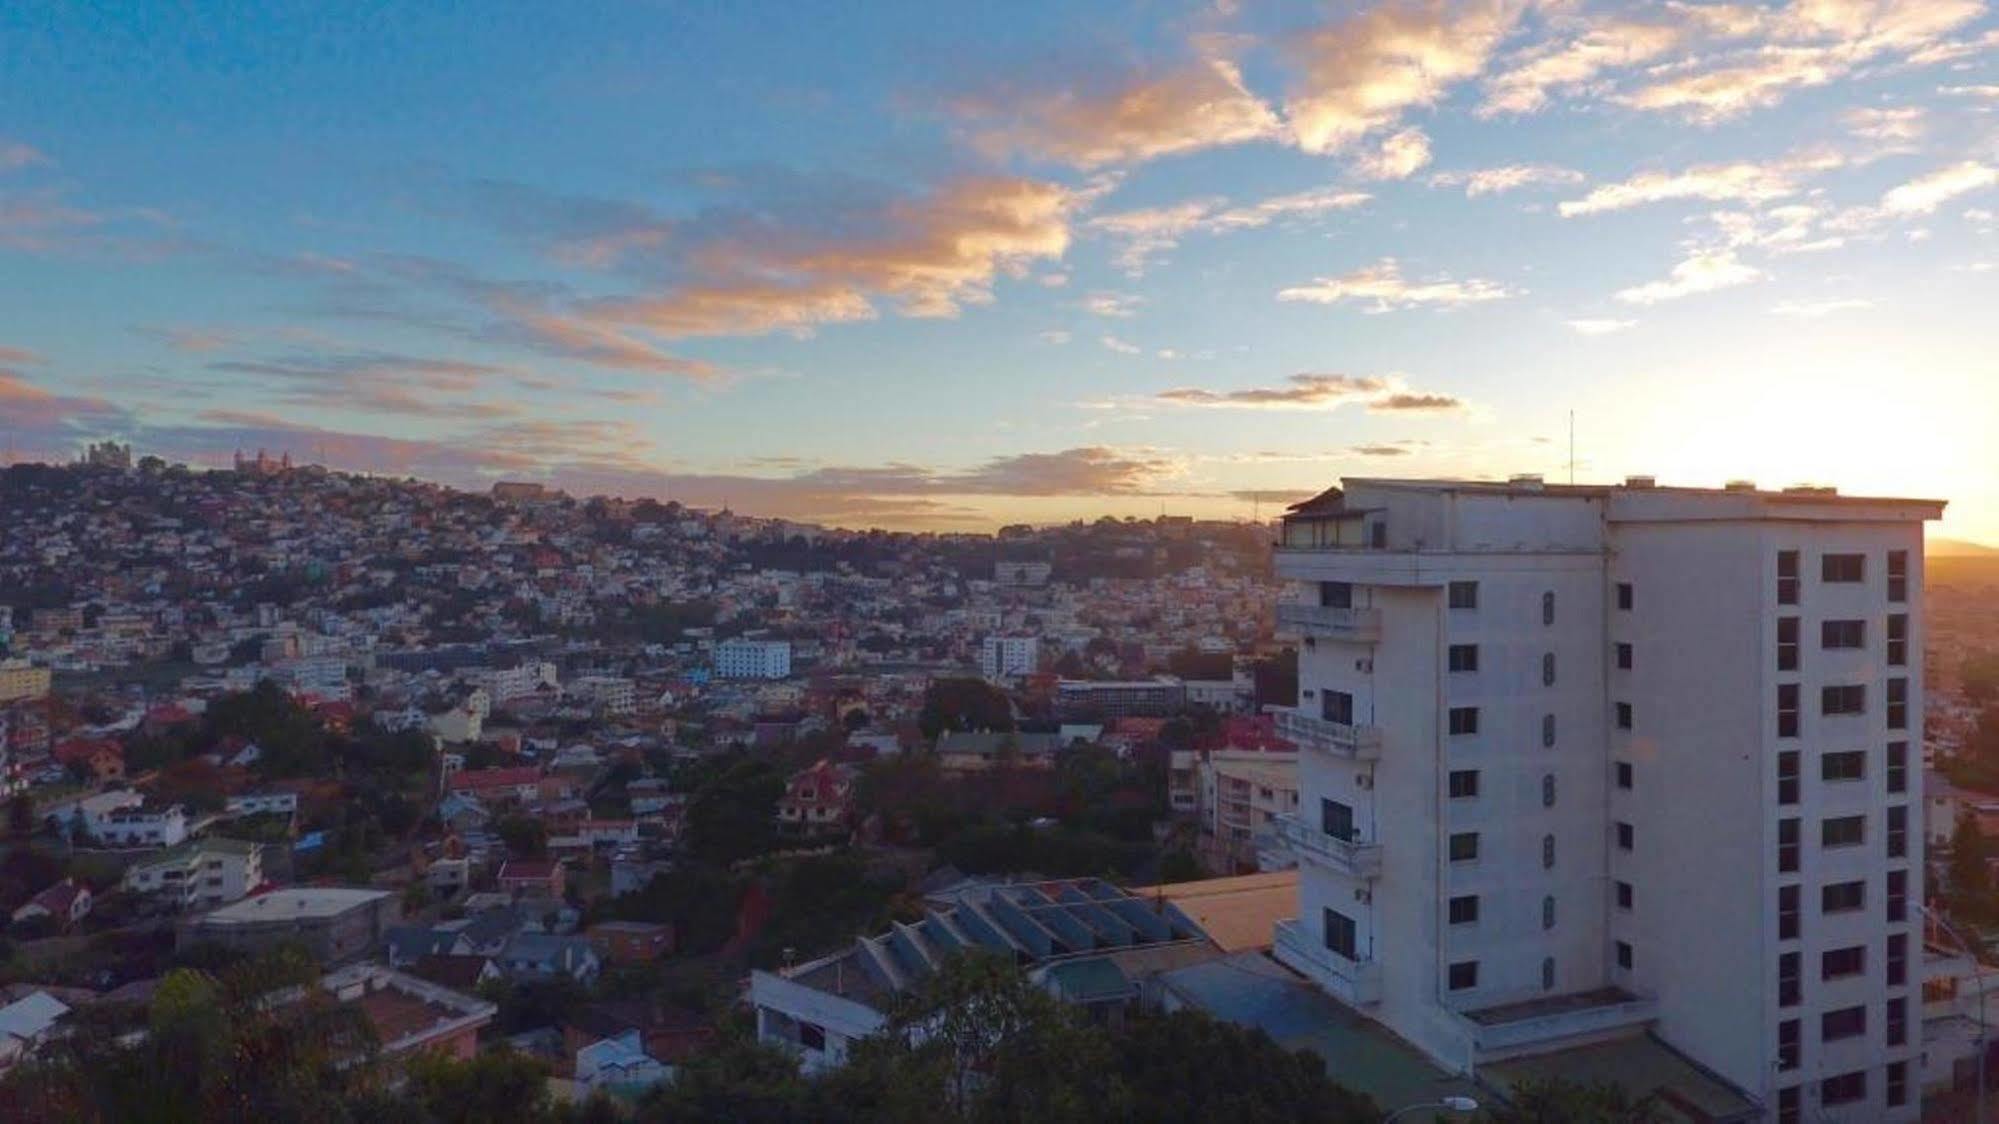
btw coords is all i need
(1954, 548)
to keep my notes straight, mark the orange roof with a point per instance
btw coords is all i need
(1237, 913)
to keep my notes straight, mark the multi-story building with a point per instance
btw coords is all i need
(1242, 794)
(753, 659)
(1139, 698)
(1580, 762)
(211, 872)
(1009, 657)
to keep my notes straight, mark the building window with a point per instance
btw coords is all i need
(1547, 973)
(1839, 963)
(1898, 767)
(1898, 1021)
(1849, 699)
(1789, 1106)
(1464, 595)
(1625, 596)
(1843, 568)
(1846, 765)
(1464, 657)
(1548, 607)
(1898, 640)
(1842, 831)
(1464, 784)
(1623, 954)
(1842, 634)
(1340, 934)
(1623, 656)
(1787, 846)
(1464, 975)
(1548, 730)
(1789, 989)
(1898, 704)
(1464, 847)
(1787, 777)
(1898, 896)
(1898, 1084)
(1547, 669)
(1787, 643)
(1548, 911)
(1377, 535)
(1624, 837)
(1336, 706)
(1898, 831)
(1548, 790)
(1787, 1045)
(1336, 595)
(1787, 577)
(1787, 710)
(1335, 819)
(1898, 576)
(1624, 895)
(1624, 774)
(1898, 959)
(1624, 718)
(1844, 1089)
(1787, 912)
(1842, 897)
(812, 1036)
(1464, 910)
(1548, 852)
(1847, 1022)
(1464, 720)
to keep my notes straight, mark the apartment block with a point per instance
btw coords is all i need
(1009, 657)
(753, 659)
(1585, 762)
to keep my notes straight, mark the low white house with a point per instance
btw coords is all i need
(143, 827)
(619, 1063)
(263, 803)
(208, 873)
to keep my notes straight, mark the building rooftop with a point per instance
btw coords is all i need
(1643, 1066)
(1239, 913)
(295, 902)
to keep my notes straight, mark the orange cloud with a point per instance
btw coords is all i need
(1363, 73)
(1203, 104)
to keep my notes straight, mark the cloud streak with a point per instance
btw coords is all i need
(1382, 288)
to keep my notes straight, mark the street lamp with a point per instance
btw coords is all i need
(1448, 1104)
(1978, 973)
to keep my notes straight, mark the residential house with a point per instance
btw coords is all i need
(818, 800)
(336, 924)
(960, 751)
(200, 874)
(540, 956)
(411, 1015)
(144, 826)
(64, 904)
(26, 1024)
(619, 1064)
(535, 878)
(632, 942)
(517, 784)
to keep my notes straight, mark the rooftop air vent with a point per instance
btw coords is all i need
(1811, 490)
(1525, 480)
(1641, 482)
(1739, 486)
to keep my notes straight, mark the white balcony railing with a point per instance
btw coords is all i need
(1362, 743)
(1326, 620)
(1357, 858)
(1537, 1031)
(1356, 983)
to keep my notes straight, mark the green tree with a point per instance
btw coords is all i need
(1557, 1101)
(737, 1079)
(1187, 1066)
(964, 704)
(496, 1085)
(1980, 676)
(524, 836)
(734, 814)
(1970, 871)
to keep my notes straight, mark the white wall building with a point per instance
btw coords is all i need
(1581, 761)
(208, 873)
(1009, 657)
(753, 659)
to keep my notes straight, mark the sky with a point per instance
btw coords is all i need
(948, 266)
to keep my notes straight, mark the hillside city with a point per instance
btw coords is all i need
(514, 804)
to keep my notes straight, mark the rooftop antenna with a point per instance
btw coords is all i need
(1572, 446)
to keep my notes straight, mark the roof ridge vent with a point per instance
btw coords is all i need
(1641, 481)
(1739, 486)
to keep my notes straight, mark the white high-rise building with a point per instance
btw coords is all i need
(753, 659)
(1579, 762)
(1007, 657)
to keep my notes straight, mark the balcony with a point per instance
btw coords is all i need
(1326, 620)
(1352, 857)
(1355, 983)
(1540, 1024)
(1360, 743)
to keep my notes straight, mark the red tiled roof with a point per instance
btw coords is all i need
(474, 780)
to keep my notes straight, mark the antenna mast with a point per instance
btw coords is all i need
(1572, 446)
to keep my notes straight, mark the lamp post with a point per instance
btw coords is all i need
(1978, 973)
(1448, 1104)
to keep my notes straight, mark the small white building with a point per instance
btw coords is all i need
(143, 826)
(753, 659)
(1009, 657)
(204, 874)
(262, 804)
